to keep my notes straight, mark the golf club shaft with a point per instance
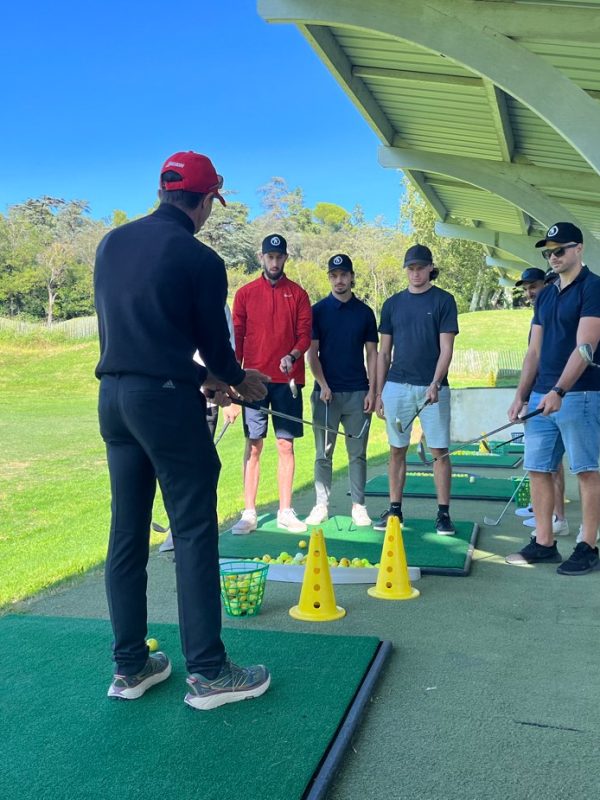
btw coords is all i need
(492, 522)
(222, 432)
(271, 412)
(413, 418)
(483, 436)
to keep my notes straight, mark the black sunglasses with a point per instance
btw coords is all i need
(557, 251)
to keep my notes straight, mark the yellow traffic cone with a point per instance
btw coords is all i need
(317, 600)
(393, 582)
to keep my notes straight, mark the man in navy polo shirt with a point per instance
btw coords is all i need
(417, 330)
(567, 314)
(343, 330)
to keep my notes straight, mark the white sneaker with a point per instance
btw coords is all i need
(247, 523)
(360, 516)
(560, 527)
(287, 519)
(167, 545)
(580, 535)
(319, 514)
(524, 512)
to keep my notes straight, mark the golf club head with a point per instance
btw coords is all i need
(422, 455)
(398, 424)
(587, 354)
(159, 528)
(293, 388)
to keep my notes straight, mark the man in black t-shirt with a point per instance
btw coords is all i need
(343, 330)
(417, 328)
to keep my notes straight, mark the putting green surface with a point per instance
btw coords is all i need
(424, 547)
(64, 739)
(474, 459)
(463, 487)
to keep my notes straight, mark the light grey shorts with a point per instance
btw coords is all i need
(401, 401)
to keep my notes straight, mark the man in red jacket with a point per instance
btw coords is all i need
(272, 324)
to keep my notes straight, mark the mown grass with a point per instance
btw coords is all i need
(54, 490)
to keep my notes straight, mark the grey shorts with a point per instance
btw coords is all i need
(401, 401)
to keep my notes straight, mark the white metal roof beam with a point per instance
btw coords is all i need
(501, 119)
(428, 193)
(336, 60)
(522, 247)
(495, 177)
(474, 34)
(411, 76)
(504, 263)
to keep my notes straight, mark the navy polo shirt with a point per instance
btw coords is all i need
(342, 329)
(415, 321)
(558, 312)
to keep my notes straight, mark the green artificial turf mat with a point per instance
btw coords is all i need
(462, 487)
(64, 739)
(426, 549)
(500, 447)
(476, 459)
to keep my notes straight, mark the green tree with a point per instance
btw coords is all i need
(331, 215)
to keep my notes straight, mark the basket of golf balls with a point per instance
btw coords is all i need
(243, 587)
(523, 496)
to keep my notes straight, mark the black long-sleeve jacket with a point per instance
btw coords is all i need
(160, 296)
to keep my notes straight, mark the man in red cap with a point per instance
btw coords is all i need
(160, 295)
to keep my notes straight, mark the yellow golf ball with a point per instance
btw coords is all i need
(152, 645)
(301, 543)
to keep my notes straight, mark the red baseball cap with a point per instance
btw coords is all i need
(197, 174)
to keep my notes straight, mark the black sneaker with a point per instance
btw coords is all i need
(444, 525)
(534, 553)
(582, 560)
(381, 523)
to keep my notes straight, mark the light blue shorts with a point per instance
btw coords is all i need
(575, 429)
(401, 401)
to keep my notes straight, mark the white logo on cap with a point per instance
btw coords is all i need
(552, 231)
(338, 260)
(174, 164)
(275, 241)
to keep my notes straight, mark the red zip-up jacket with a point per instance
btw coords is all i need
(269, 322)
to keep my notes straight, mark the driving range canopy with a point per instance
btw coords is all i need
(490, 108)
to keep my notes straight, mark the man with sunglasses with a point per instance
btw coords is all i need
(557, 381)
(160, 295)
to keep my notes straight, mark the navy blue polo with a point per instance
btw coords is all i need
(342, 330)
(558, 312)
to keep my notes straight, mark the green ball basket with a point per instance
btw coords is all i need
(523, 496)
(243, 587)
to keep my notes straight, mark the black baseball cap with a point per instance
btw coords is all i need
(340, 261)
(530, 275)
(551, 276)
(562, 232)
(274, 243)
(418, 254)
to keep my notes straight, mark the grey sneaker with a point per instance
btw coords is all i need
(233, 683)
(130, 687)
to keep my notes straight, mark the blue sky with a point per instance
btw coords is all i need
(97, 95)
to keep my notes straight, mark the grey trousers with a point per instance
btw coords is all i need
(345, 408)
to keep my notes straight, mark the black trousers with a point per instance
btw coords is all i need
(155, 428)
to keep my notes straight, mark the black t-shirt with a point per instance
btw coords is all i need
(342, 330)
(415, 321)
(160, 296)
(559, 312)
